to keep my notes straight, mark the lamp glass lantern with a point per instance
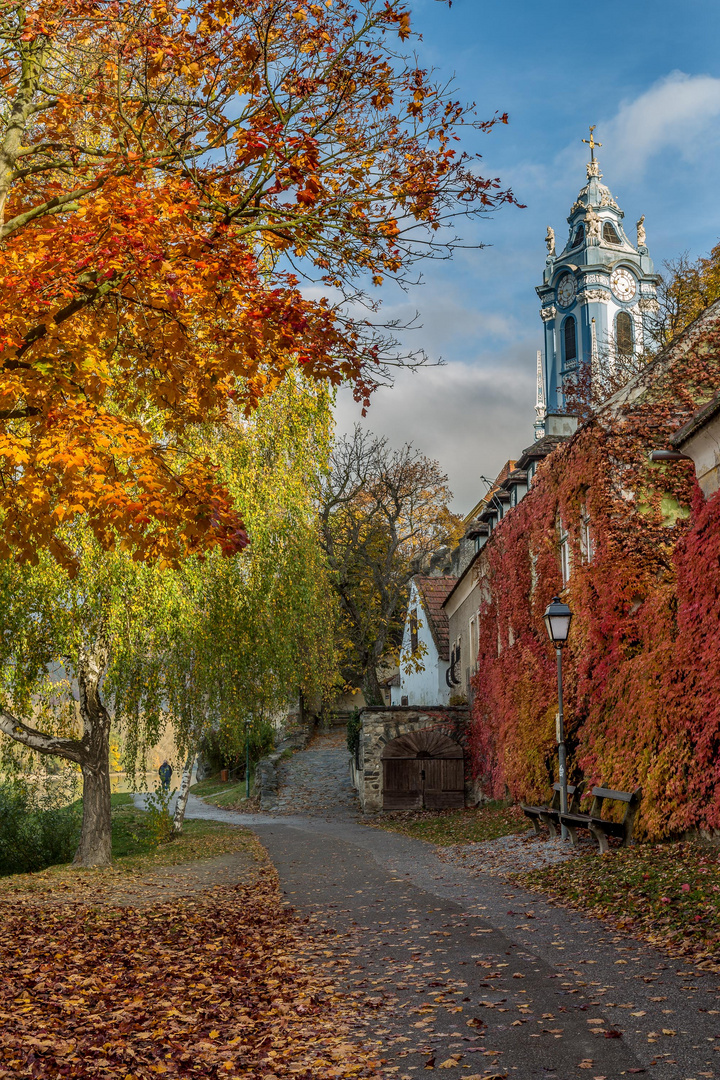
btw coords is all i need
(558, 617)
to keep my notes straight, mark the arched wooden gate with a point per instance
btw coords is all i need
(423, 769)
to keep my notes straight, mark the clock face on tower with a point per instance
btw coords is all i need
(623, 284)
(566, 290)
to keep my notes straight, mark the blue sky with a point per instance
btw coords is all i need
(648, 75)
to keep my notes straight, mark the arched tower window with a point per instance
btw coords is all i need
(624, 334)
(609, 234)
(579, 235)
(570, 339)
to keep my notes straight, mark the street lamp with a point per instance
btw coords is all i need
(558, 617)
(247, 757)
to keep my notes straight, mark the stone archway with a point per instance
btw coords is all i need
(423, 770)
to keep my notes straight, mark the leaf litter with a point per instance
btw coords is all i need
(223, 984)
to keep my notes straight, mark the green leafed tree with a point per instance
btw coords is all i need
(209, 643)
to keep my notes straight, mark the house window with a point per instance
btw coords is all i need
(404, 699)
(579, 235)
(564, 554)
(570, 340)
(609, 234)
(413, 632)
(624, 334)
(586, 539)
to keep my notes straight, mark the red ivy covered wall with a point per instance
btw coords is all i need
(642, 670)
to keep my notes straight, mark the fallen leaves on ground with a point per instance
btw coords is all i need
(455, 826)
(223, 985)
(668, 894)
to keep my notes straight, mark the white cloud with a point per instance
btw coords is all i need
(678, 114)
(470, 418)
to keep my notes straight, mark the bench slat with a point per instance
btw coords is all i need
(571, 788)
(607, 793)
(536, 811)
(584, 821)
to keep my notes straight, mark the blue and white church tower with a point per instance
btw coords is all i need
(596, 296)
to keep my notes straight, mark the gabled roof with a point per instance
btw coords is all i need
(433, 593)
(462, 577)
(703, 416)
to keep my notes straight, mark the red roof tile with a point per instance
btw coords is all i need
(434, 591)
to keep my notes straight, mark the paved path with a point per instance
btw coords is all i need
(317, 780)
(476, 976)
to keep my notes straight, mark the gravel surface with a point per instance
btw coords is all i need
(512, 854)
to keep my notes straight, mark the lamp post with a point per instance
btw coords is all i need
(247, 758)
(558, 617)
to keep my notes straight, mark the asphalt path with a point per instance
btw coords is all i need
(468, 974)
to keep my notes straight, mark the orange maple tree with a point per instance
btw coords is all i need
(171, 176)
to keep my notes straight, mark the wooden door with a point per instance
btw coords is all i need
(402, 784)
(443, 787)
(423, 769)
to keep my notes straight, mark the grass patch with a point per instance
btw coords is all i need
(668, 894)
(216, 793)
(455, 826)
(135, 848)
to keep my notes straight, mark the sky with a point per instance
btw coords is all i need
(648, 76)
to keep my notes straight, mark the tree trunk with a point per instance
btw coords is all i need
(96, 836)
(371, 687)
(91, 752)
(183, 793)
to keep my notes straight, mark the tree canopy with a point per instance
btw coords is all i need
(384, 512)
(170, 174)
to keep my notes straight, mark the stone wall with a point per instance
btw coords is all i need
(381, 726)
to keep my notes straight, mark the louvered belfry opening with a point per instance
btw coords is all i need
(423, 770)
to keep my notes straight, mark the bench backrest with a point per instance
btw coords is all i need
(622, 796)
(574, 796)
(632, 798)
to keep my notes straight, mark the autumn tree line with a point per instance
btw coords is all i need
(173, 177)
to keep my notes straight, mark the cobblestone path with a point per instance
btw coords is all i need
(317, 780)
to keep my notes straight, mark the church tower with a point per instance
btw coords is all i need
(596, 294)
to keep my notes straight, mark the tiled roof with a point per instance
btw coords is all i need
(541, 448)
(434, 591)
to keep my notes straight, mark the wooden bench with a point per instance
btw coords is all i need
(600, 827)
(550, 815)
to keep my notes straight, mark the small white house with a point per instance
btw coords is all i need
(424, 656)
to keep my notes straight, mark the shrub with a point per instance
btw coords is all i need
(221, 754)
(354, 729)
(34, 832)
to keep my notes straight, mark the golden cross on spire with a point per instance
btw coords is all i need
(591, 143)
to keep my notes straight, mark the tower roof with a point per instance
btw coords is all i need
(597, 236)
